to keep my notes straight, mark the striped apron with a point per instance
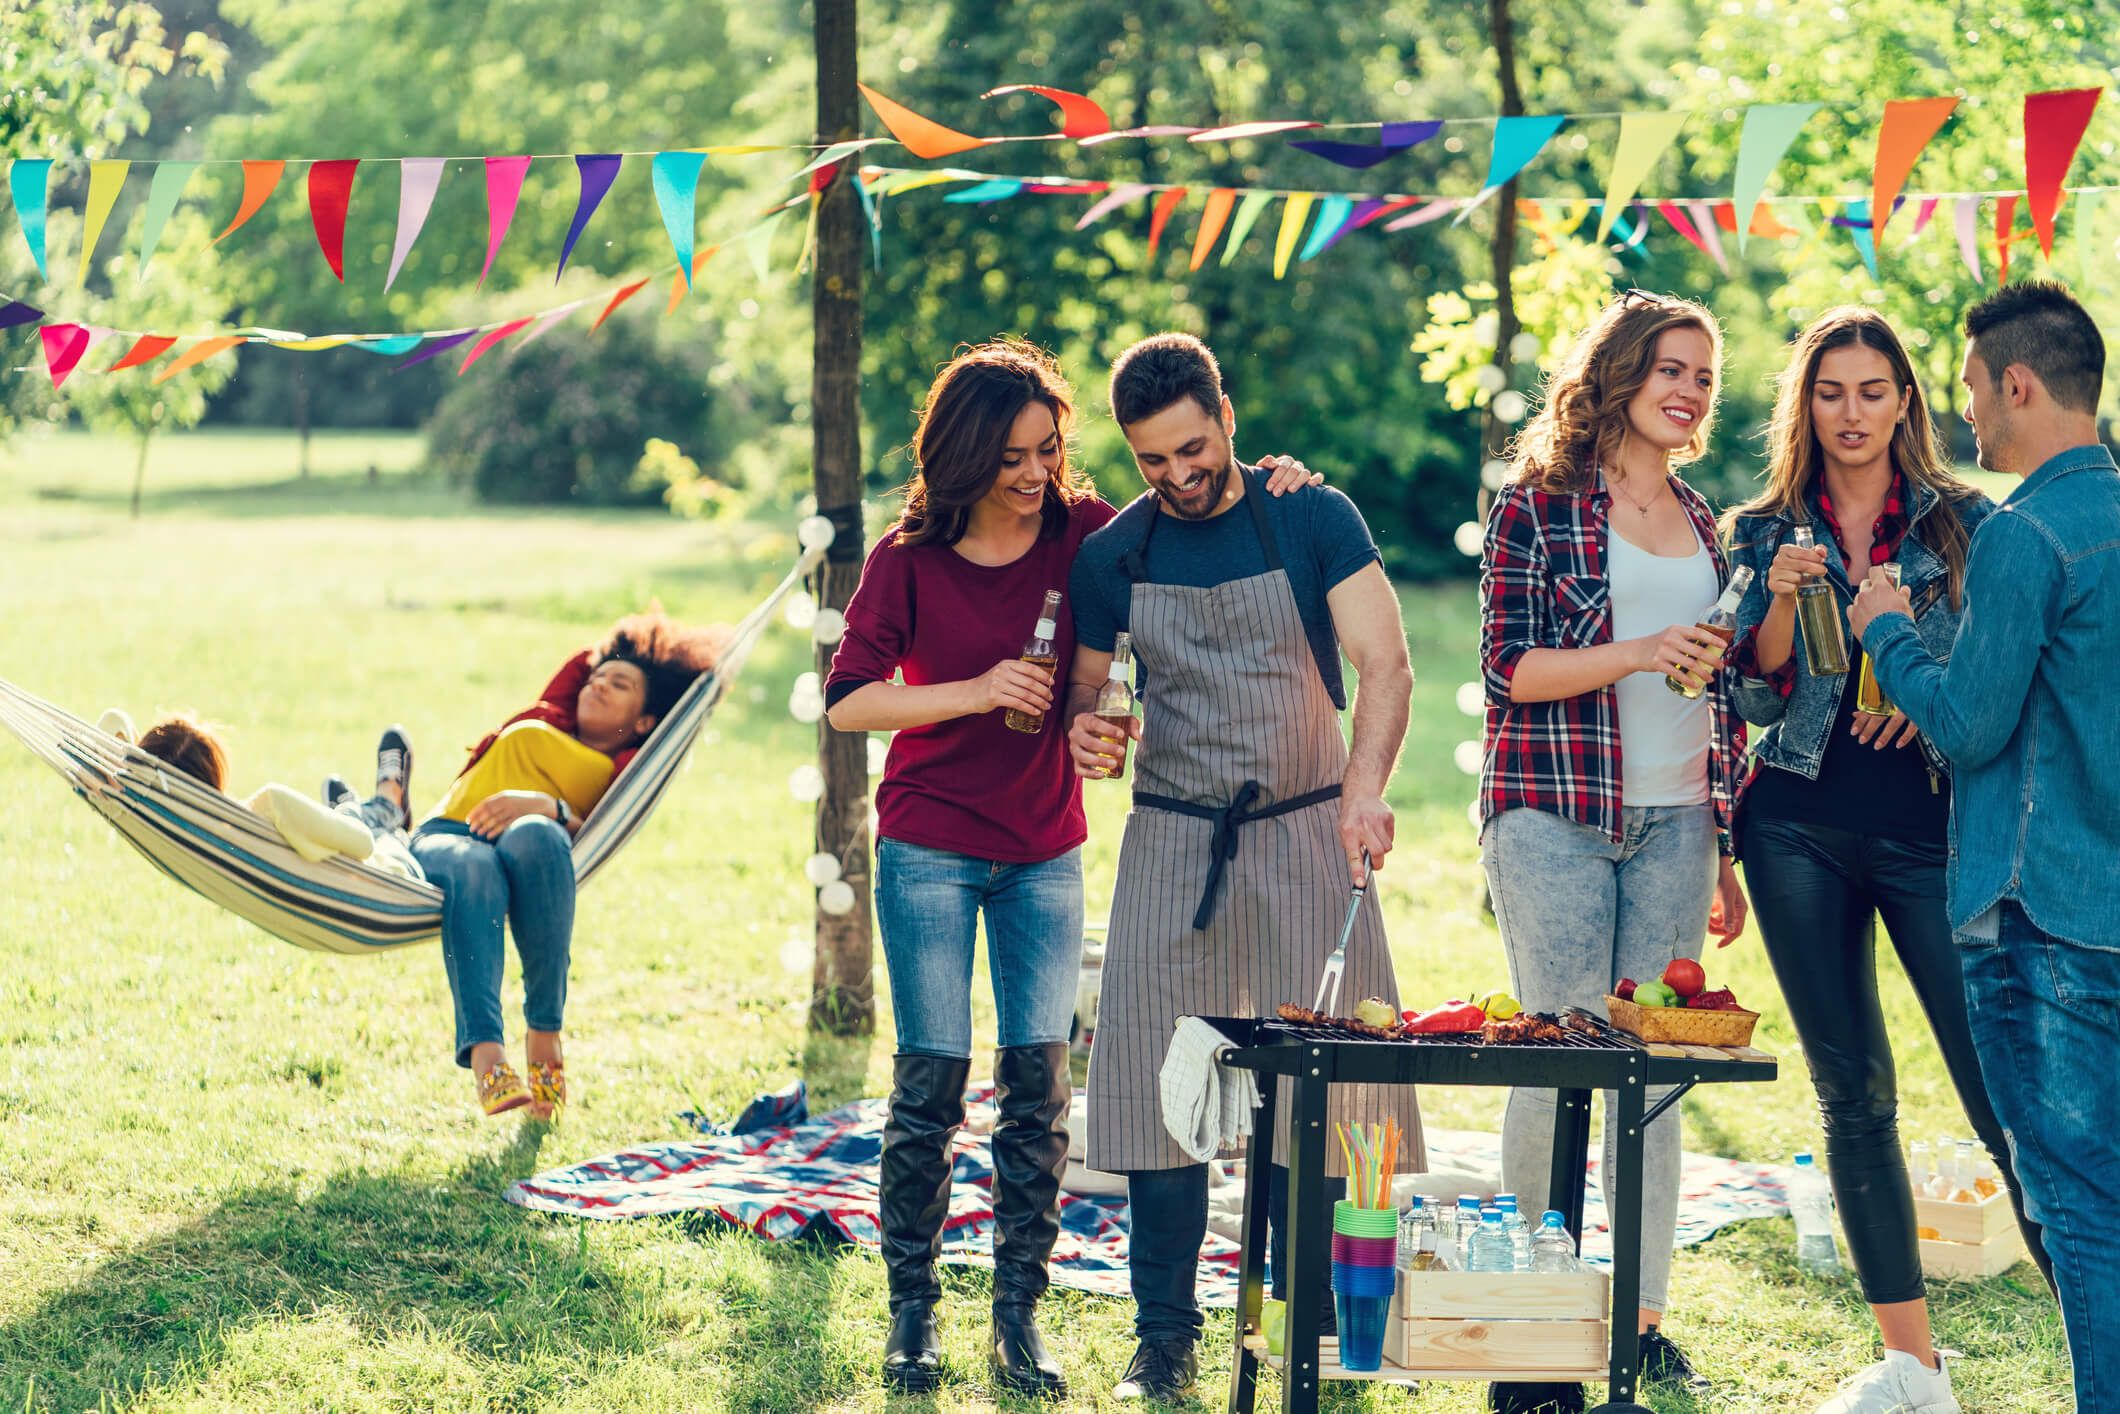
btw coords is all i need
(1232, 882)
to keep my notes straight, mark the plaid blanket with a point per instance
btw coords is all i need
(786, 1180)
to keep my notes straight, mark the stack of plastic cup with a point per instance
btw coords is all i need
(1365, 1244)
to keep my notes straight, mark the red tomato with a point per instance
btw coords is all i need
(1685, 977)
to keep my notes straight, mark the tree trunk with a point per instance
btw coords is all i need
(1502, 250)
(842, 986)
(301, 417)
(140, 473)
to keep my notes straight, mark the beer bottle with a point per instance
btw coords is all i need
(1825, 644)
(1115, 700)
(1039, 652)
(1869, 697)
(1721, 621)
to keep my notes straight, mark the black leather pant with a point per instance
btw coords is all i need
(1816, 893)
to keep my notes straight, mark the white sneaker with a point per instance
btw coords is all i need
(1897, 1384)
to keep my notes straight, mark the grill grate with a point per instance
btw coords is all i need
(1571, 1040)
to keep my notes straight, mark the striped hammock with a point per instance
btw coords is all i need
(211, 844)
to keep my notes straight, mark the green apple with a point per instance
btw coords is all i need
(1655, 994)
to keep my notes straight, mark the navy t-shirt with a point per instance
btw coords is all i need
(1322, 539)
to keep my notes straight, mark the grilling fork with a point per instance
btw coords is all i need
(1336, 964)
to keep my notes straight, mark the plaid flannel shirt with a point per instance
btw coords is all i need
(1543, 585)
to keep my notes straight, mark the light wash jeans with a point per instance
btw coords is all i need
(928, 903)
(1577, 913)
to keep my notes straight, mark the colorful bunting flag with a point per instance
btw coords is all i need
(29, 183)
(1966, 219)
(1394, 139)
(330, 193)
(1292, 218)
(1908, 125)
(1080, 117)
(1435, 210)
(437, 345)
(259, 178)
(1153, 130)
(1769, 131)
(543, 327)
(1864, 232)
(758, 244)
(2005, 222)
(389, 347)
(679, 288)
(63, 346)
(504, 187)
(1117, 197)
(1220, 202)
(418, 180)
(106, 178)
(146, 349)
(1705, 224)
(15, 312)
(1236, 132)
(980, 193)
(597, 172)
(316, 345)
(873, 217)
(1643, 138)
(1921, 221)
(1248, 213)
(162, 195)
(1334, 212)
(1683, 224)
(675, 177)
(479, 349)
(1516, 142)
(2054, 124)
(616, 300)
(1160, 217)
(198, 353)
(923, 137)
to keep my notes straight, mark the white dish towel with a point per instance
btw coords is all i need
(1205, 1103)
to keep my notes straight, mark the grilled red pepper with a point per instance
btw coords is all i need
(1450, 1017)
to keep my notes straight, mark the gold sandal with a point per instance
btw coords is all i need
(548, 1089)
(500, 1090)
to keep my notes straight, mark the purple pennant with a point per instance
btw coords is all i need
(598, 171)
(16, 312)
(439, 344)
(1394, 139)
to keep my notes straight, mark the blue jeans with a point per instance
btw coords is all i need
(524, 879)
(928, 903)
(2046, 1021)
(1577, 913)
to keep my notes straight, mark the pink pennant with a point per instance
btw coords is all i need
(1235, 131)
(1967, 220)
(2054, 124)
(1685, 227)
(1435, 210)
(504, 187)
(1710, 238)
(64, 344)
(478, 350)
(1116, 197)
(1153, 130)
(1921, 220)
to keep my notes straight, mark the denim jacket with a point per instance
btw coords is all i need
(1798, 725)
(2024, 708)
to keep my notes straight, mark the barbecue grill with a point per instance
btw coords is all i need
(1590, 1055)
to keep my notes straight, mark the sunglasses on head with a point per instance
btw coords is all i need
(1638, 298)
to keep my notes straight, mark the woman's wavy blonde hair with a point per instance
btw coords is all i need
(1795, 459)
(1583, 422)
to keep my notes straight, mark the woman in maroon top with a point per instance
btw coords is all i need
(976, 817)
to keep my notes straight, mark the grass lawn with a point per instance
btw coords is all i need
(234, 1175)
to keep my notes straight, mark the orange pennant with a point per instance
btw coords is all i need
(1219, 201)
(2005, 218)
(616, 300)
(679, 288)
(1764, 221)
(146, 349)
(198, 353)
(923, 137)
(259, 178)
(1909, 123)
(1165, 205)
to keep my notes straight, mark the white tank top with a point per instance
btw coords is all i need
(1663, 737)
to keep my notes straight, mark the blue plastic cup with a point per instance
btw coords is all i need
(1364, 1281)
(1362, 1329)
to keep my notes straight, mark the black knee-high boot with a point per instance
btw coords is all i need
(927, 1106)
(1031, 1090)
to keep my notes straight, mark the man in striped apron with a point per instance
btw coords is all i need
(1251, 815)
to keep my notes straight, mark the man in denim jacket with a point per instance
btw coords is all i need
(2026, 714)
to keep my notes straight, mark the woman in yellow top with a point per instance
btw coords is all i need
(499, 846)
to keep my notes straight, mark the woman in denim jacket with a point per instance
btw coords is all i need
(1845, 814)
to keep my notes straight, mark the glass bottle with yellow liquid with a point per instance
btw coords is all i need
(1115, 700)
(1720, 621)
(1039, 652)
(1825, 643)
(1869, 697)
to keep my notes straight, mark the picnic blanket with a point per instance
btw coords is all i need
(818, 1176)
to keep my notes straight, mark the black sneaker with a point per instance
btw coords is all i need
(393, 763)
(1526, 1397)
(337, 792)
(1664, 1363)
(1161, 1370)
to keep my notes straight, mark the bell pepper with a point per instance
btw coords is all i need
(1451, 1016)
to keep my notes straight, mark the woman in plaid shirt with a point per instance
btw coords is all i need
(1599, 563)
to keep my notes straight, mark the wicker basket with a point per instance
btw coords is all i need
(1683, 1026)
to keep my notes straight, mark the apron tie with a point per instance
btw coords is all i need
(1228, 820)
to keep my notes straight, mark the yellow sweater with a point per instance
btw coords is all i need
(531, 756)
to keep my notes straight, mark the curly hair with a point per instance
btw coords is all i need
(669, 654)
(1583, 421)
(184, 741)
(964, 427)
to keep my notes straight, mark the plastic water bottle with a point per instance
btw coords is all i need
(1519, 1230)
(1409, 1234)
(1468, 1223)
(1552, 1250)
(1491, 1251)
(1811, 1203)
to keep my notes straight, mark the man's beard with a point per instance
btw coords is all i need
(1989, 448)
(1211, 492)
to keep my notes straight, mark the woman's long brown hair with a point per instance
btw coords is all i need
(1795, 460)
(1583, 422)
(964, 429)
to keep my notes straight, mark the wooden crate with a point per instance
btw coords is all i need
(1473, 1325)
(1973, 1240)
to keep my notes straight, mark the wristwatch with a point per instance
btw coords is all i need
(561, 813)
